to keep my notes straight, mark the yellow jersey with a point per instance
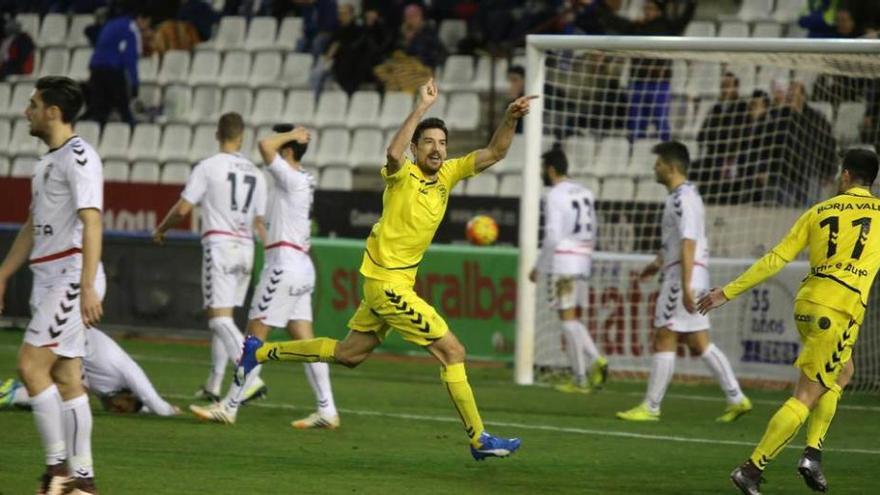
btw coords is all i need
(412, 209)
(844, 248)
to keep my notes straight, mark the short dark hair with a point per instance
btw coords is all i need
(861, 164)
(429, 123)
(673, 153)
(62, 92)
(230, 126)
(298, 149)
(516, 69)
(556, 158)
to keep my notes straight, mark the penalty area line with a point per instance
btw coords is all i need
(550, 428)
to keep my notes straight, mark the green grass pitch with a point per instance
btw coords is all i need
(400, 434)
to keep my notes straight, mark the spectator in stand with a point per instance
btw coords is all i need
(870, 130)
(200, 14)
(113, 81)
(649, 78)
(319, 23)
(819, 18)
(378, 38)
(720, 139)
(754, 154)
(419, 39)
(16, 50)
(343, 55)
(516, 80)
(93, 30)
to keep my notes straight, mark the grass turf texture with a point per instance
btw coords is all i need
(400, 434)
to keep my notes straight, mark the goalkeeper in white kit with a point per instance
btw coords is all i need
(566, 256)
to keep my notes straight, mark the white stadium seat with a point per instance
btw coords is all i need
(826, 109)
(364, 109)
(5, 166)
(849, 117)
(335, 179)
(116, 171)
(205, 68)
(21, 142)
(53, 30)
(148, 69)
(678, 85)
(483, 74)
(788, 10)
(5, 134)
(617, 189)
(705, 80)
(755, 10)
(237, 100)
(696, 123)
(76, 36)
(514, 161)
(206, 102)
(394, 105)
(268, 107)
(204, 143)
(174, 173)
(333, 148)
(30, 24)
(79, 65)
(332, 109)
(261, 33)
(451, 32)
(114, 141)
(297, 67)
(146, 172)
(580, 152)
(177, 103)
(767, 30)
(746, 74)
(767, 74)
(733, 29)
(484, 184)
(590, 182)
(367, 149)
(266, 69)
(145, 142)
(21, 96)
(175, 67)
(612, 156)
(458, 73)
(23, 167)
(510, 186)
(466, 109)
(230, 34)
(299, 108)
(89, 131)
(5, 93)
(704, 29)
(642, 160)
(176, 141)
(289, 33)
(236, 69)
(650, 191)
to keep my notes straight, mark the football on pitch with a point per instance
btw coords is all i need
(482, 230)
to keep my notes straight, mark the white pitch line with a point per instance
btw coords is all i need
(556, 429)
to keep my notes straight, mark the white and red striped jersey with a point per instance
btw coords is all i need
(289, 216)
(684, 217)
(231, 191)
(66, 179)
(569, 228)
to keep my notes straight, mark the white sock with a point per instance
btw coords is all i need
(318, 375)
(78, 435)
(662, 368)
(20, 397)
(720, 366)
(47, 414)
(574, 348)
(588, 347)
(225, 329)
(219, 359)
(235, 395)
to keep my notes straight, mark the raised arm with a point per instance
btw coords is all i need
(397, 147)
(500, 142)
(270, 145)
(17, 255)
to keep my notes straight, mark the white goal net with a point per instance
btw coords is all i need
(764, 121)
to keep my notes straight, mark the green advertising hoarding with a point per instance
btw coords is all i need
(473, 288)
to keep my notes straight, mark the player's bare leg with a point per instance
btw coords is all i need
(451, 354)
(737, 403)
(318, 375)
(662, 369)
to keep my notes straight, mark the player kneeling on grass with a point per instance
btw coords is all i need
(109, 374)
(828, 309)
(283, 297)
(566, 254)
(413, 205)
(684, 264)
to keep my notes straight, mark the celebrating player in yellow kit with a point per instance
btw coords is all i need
(828, 309)
(413, 204)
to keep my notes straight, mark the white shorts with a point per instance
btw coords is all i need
(226, 273)
(568, 291)
(284, 293)
(669, 311)
(57, 317)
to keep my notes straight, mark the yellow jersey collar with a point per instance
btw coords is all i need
(859, 191)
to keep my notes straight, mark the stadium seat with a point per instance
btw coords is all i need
(808, 77)
(289, 34)
(510, 186)
(795, 31)
(174, 173)
(114, 141)
(612, 156)
(367, 149)
(483, 75)
(484, 184)
(363, 109)
(53, 31)
(297, 67)
(30, 24)
(466, 108)
(21, 142)
(116, 171)
(148, 69)
(394, 106)
(177, 103)
(678, 85)
(5, 134)
(451, 32)
(4, 166)
(175, 67)
(788, 11)
(5, 93)
(248, 142)
(650, 191)
(515, 159)
(23, 167)
(230, 34)
(733, 29)
(849, 117)
(237, 100)
(236, 69)
(332, 109)
(767, 74)
(175, 144)
(580, 151)
(300, 107)
(767, 30)
(261, 33)
(437, 110)
(266, 70)
(590, 182)
(335, 179)
(704, 29)
(76, 36)
(54, 62)
(204, 68)
(333, 148)
(699, 115)
(754, 10)
(827, 110)
(705, 80)
(746, 75)
(268, 106)
(21, 96)
(145, 142)
(642, 160)
(89, 131)
(206, 101)
(617, 189)
(145, 172)
(79, 65)
(458, 73)
(204, 143)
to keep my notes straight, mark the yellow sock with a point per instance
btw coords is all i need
(821, 416)
(782, 428)
(463, 398)
(304, 351)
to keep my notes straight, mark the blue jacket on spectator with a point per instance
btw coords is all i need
(819, 18)
(118, 47)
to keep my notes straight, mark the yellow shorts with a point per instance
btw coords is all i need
(388, 305)
(828, 337)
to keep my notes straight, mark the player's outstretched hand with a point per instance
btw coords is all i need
(90, 304)
(159, 237)
(519, 107)
(428, 93)
(714, 299)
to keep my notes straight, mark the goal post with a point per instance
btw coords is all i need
(587, 87)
